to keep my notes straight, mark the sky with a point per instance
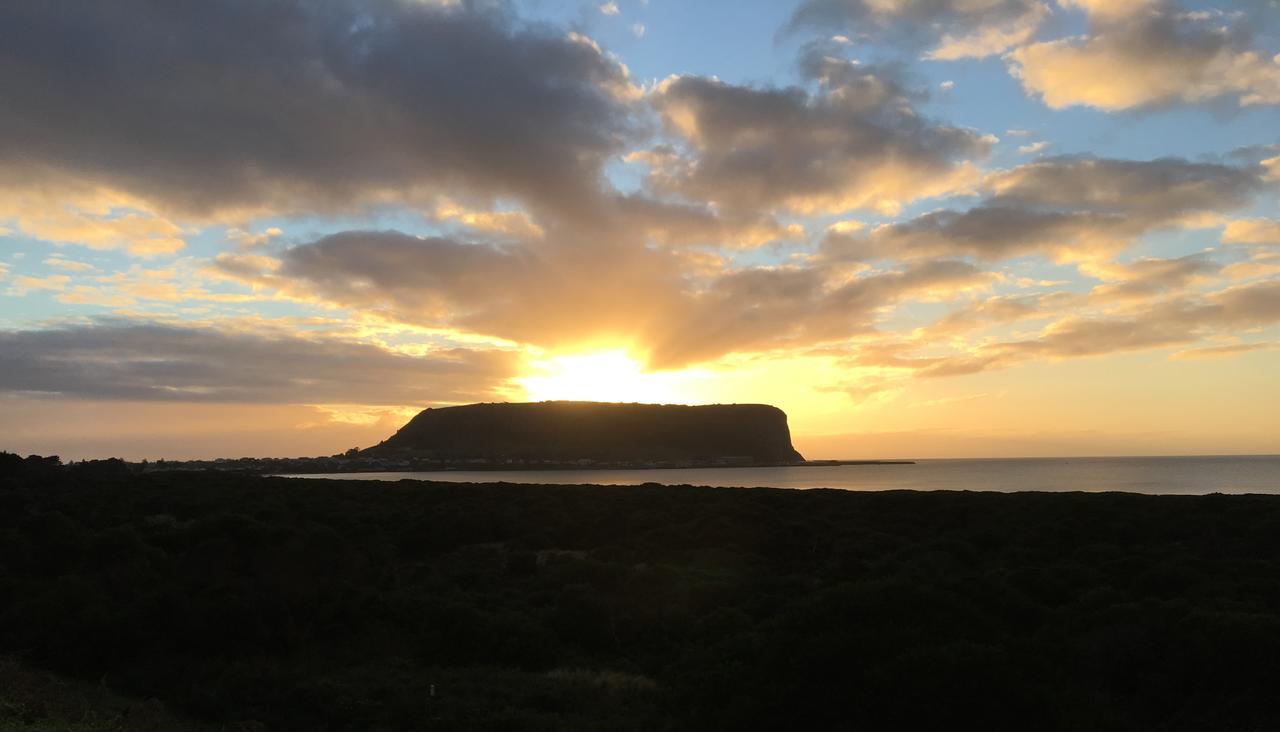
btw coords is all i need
(923, 228)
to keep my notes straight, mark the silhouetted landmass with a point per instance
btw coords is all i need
(313, 605)
(597, 431)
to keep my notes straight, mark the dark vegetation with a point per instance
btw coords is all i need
(757, 433)
(311, 605)
(39, 701)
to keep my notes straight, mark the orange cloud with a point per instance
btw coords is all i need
(94, 218)
(1252, 231)
(511, 223)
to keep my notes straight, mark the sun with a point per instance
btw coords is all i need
(606, 376)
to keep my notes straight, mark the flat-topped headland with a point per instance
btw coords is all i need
(596, 432)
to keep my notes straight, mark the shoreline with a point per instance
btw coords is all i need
(504, 468)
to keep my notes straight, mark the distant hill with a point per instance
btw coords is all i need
(561, 431)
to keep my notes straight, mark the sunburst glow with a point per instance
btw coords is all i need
(606, 376)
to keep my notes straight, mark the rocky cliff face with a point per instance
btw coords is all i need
(596, 431)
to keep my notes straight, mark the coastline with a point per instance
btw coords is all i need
(510, 468)
(360, 464)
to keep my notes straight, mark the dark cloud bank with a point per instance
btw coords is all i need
(204, 105)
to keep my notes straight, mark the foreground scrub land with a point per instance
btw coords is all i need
(284, 604)
(38, 701)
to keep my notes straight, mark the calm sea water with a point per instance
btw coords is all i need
(1254, 474)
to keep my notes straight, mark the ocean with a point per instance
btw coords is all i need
(1151, 475)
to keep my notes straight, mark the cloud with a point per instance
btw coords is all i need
(992, 231)
(991, 311)
(1112, 10)
(1262, 263)
(1066, 208)
(1161, 188)
(66, 212)
(680, 224)
(561, 290)
(1075, 337)
(435, 279)
(642, 279)
(1252, 231)
(959, 28)
(1242, 306)
(22, 285)
(680, 310)
(145, 361)
(1181, 321)
(499, 131)
(991, 39)
(248, 239)
(510, 223)
(1145, 278)
(70, 265)
(1145, 54)
(230, 108)
(786, 307)
(857, 143)
(1222, 351)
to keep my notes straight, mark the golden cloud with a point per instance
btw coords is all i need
(1252, 231)
(1134, 59)
(96, 218)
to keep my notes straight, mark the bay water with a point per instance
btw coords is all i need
(1151, 475)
